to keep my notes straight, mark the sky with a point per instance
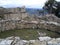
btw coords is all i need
(19, 3)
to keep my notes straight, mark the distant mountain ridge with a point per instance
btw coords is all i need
(33, 11)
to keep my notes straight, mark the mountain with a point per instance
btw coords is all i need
(33, 11)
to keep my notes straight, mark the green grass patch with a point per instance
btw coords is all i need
(27, 34)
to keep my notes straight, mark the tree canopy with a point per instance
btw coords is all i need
(52, 6)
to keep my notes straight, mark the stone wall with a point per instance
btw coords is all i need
(20, 24)
(15, 13)
(15, 24)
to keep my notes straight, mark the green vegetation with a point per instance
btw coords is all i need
(53, 7)
(26, 33)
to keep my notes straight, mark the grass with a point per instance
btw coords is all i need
(27, 34)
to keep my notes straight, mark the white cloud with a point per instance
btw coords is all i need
(57, 0)
(33, 3)
(27, 3)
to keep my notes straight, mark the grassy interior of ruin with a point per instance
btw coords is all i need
(27, 34)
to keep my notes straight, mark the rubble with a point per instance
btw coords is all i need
(44, 38)
(42, 41)
(6, 42)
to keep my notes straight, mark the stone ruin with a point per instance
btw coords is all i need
(12, 17)
(16, 13)
(40, 41)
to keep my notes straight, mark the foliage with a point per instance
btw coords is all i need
(53, 7)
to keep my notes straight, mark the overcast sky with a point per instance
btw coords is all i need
(19, 3)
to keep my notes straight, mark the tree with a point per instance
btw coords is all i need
(57, 11)
(52, 6)
(48, 5)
